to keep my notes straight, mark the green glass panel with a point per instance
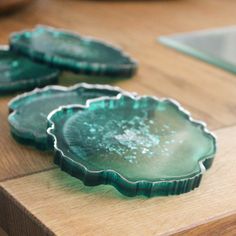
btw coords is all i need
(141, 145)
(28, 117)
(19, 73)
(70, 51)
(215, 46)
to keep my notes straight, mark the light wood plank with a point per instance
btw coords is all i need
(162, 71)
(208, 92)
(16, 159)
(225, 226)
(2, 232)
(67, 207)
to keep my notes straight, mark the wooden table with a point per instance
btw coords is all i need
(38, 199)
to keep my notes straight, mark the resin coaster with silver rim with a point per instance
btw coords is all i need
(28, 112)
(140, 145)
(69, 51)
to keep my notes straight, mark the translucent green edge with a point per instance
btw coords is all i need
(29, 138)
(125, 70)
(169, 42)
(111, 177)
(29, 84)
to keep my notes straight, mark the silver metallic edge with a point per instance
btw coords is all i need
(57, 88)
(180, 108)
(68, 89)
(94, 64)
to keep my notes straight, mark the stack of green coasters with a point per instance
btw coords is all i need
(69, 51)
(140, 145)
(29, 111)
(35, 58)
(100, 134)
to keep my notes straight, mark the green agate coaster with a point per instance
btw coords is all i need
(19, 73)
(28, 112)
(70, 51)
(140, 145)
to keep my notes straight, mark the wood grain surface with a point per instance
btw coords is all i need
(16, 159)
(208, 92)
(10, 5)
(2, 232)
(225, 226)
(66, 207)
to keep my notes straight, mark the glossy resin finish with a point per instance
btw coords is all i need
(70, 51)
(19, 73)
(140, 145)
(28, 118)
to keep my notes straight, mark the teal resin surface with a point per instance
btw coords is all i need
(140, 145)
(28, 112)
(69, 51)
(19, 73)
